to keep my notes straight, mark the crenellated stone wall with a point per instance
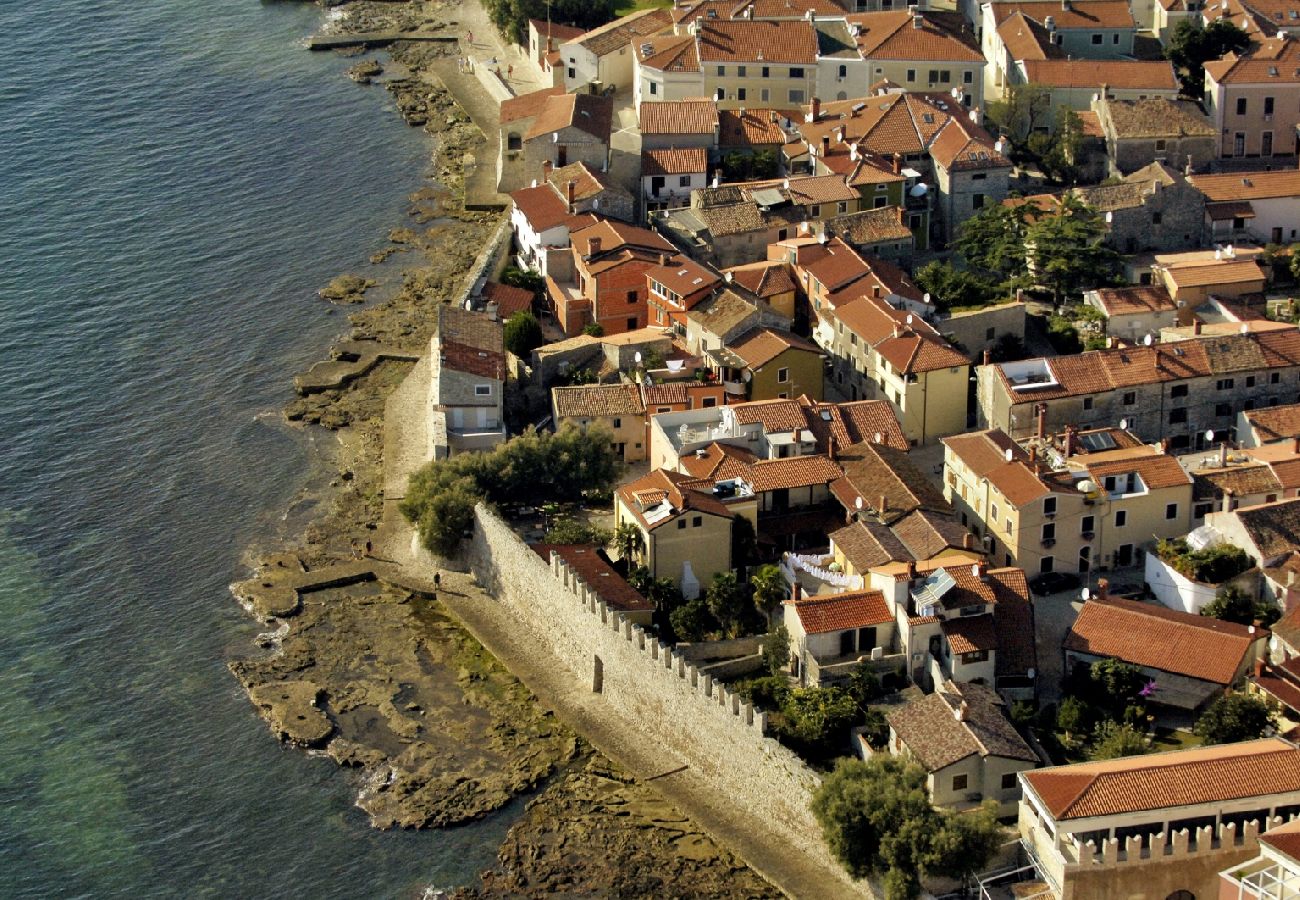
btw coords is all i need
(661, 692)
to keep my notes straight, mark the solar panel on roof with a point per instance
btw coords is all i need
(1097, 441)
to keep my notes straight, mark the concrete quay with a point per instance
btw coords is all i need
(351, 360)
(375, 39)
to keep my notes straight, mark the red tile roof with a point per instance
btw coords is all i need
(648, 491)
(526, 105)
(599, 575)
(1272, 60)
(1182, 778)
(1118, 74)
(1154, 637)
(509, 299)
(741, 41)
(669, 53)
(750, 128)
(759, 346)
(471, 343)
(1248, 185)
(595, 401)
(1138, 299)
(776, 415)
(586, 112)
(841, 612)
(893, 35)
(678, 117)
(618, 34)
(1081, 13)
(685, 161)
(792, 472)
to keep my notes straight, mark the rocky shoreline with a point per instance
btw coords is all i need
(381, 678)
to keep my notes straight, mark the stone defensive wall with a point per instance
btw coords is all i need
(660, 692)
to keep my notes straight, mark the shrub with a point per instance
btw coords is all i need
(775, 649)
(1235, 605)
(1112, 740)
(818, 716)
(571, 531)
(595, 329)
(1235, 717)
(522, 335)
(1212, 565)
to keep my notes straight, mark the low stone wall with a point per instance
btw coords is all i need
(656, 689)
(485, 264)
(715, 650)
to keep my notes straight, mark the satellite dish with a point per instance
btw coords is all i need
(919, 190)
(1123, 424)
(858, 503)
(748, 376)
(1209, 434)
(1147, 341)
(909, 319)
(926, 298)
(1085, 594)
(637, 356)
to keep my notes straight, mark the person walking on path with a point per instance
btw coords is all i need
(469, 38)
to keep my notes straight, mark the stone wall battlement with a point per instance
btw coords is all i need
(1180, 844)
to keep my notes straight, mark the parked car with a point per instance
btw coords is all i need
(1054, 582)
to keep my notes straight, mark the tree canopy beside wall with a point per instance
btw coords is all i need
(877, 820)
(511, 16)
(1192, 45)
(534, 467)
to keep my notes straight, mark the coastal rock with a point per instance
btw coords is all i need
(290, 709)
(365, 70)
(346, 289)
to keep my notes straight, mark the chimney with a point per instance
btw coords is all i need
(853, 151)
(1295, 446)
(663, 260)
(1259, 667)
(816, 108)
(547, 168)
(570, 189)
(1033, 453)
(898, 164)
(988, 357)
(1065, 5)
(962, 711)
(1196, 327)
(911, 570)
(826, 145)
(968, 541)
(593, 246)
(982, 570)
(1223, 454)
(882, 506)
(1227, 500)
(797, 594)
(1103, 589)
(1069, 441)
(1042, 419)
(1164, 445)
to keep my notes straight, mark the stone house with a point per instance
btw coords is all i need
(1253, 99)
(1091, 30)
(666, 69)
(1154, 208)
(467, 383)
(1175, 391)
(1197, 812)
(830, 633)
(1140, 131)
(515, 119)
(617, 408)
(968, 747)
(880, 232)
(977, 330)
(1267, 532)
(569, 128)
(603, 56)
(970, 172)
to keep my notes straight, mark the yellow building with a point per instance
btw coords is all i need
(767, 364)
(618, 408)
(1092, 500)
(685, 532)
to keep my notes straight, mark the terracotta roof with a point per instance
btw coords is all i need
(1271, 60)
(873, 471)
(740, 41)
(1272, 527)
(1118, 74)
(759, 346)
(1227, 271)
(684, 161)
(717, 461)
(598, 574)
(1158, 118)
(908, 348)
(871, 226)
(840, 612)
(893, 35)
(594, 401)
(754, 9)
(970, 634)
(846, 424)
(614, 36)
(819, 189)
(1138, 299)
(984, 451)
(614, 235)
(669, 53)
(678, 117)
(661, 486)
(1275, 423)
(471, 343)
(542, 206)
(963, 147)
(1025, 38)
(749, 128)
(1090, 14)
(723, 312)
(1248, 185)
(1013, 617)
(585, 112)
(1285, 839)
(684, 276)
(927, 533)
(777, 416)
(763, 279)
(586, 182)
(736, 218)
(1152, 636)
(508, 299)
(1157, 470)
(868, 544)
(792, 472)
(526, 105)
(1181, 778)
(1241, 481)
(937, 736)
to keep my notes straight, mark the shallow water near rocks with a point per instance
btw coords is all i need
(177, 179)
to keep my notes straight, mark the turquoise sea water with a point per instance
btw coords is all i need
(176, 179)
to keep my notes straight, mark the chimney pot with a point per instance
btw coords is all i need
(882, 507)
(963, 710)
(988, 357)
(1103, 588)
(593, 246)
(911, 570)
(570, 190)
(797, 594)
(547, 168)
(816, 108)
(1196, 327)
(898, 164)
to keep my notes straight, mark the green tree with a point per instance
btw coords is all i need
(1295, 261)
(769, 589)
(1059, 150)
(1191, 46)
(594, 329)
(1117, 681)
(1024, 109)
(1063, 336)
(819, 716)
(566, 530)
(875, 729)
(522, 278)
(1067, 249)
(775, 650)
(511, 16)
(1112, 740)
(1074, 717)
(863, 686)
(726, 600)
(1232, 604)
(744, 543)
(628, 541)
(692, 620)
(951, 288)
(993, 243)
(877, 819)
(1235, 717)
(522, 334)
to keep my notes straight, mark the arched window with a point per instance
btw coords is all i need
(1181, 895)
(841, 95)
